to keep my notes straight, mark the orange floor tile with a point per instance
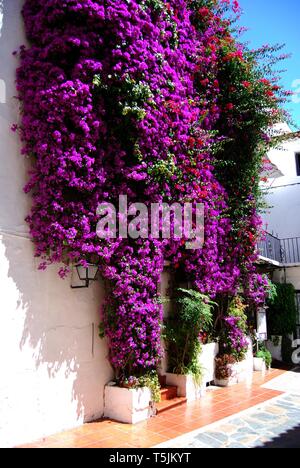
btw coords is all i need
(172, 423)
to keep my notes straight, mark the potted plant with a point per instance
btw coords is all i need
(235, 342)
(262, 357)
(225, 371)
(132, 400)
(262, 360)
(183, 330)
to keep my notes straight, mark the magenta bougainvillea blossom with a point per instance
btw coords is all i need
(129, 98)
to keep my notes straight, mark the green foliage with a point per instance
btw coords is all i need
(271, 291)
(149, 380)
(237, 309)
(265, 355)
(234, 335)
(192, 317)
(287, 349)
(282, 316)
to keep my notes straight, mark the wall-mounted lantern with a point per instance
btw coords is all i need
(86, 274)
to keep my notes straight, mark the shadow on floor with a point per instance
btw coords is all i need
(290, 439)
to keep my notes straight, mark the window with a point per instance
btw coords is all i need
(298, 163)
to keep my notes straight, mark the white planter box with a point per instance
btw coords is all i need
(259, 365)
(275, 350)
(186, 386)
(125, 405)
(241, 371)
(207, 361)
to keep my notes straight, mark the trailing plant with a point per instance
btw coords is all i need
(156, 100)
(224, 365)
(282, 313)
(149, 380)
(234, 335)
(192, 317)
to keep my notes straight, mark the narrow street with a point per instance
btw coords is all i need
(264, 413)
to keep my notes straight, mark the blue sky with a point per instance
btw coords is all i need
(277, 21)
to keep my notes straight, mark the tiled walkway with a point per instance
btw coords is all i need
(275, 424)
(215, 406)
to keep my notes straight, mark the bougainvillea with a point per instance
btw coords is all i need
(155, 100)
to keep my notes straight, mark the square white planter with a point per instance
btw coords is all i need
(207, 361)
(125, 405)
(259, 365)
(186, 386)
(241, 371)
(275, 350)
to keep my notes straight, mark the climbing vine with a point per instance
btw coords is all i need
(160, 102)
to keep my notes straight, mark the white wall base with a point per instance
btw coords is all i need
(275, 350)
(125, 405)
(187, 387)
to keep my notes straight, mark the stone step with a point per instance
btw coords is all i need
(168, 393)
(166, 405)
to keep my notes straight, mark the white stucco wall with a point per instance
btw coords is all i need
(282, 218)
(290, 275)
(283, 195)
(53, 365)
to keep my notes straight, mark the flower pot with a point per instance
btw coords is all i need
(259, 365)
(223, 382)
(127, 405)
(207, 361)
(186, 386)
(240, 372)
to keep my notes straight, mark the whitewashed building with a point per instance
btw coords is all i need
(281, 249)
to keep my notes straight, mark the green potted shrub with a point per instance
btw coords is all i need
(262, 360)
(183, 329)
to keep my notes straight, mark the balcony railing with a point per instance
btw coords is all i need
(284, 251)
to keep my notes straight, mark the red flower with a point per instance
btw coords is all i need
(246, 84)
(203, 11)
(229, 106)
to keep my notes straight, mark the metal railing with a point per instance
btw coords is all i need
(291, 250)
(284, 251)
(270, 248)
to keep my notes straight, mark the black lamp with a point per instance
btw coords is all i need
(86, 274)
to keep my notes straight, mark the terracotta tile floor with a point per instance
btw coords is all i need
(216, 405)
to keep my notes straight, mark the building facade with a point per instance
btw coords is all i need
(282, 220)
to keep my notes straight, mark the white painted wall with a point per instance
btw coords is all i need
(290, 275)
(283, 196)
(53, 366)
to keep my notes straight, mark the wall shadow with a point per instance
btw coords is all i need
(48, 332)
